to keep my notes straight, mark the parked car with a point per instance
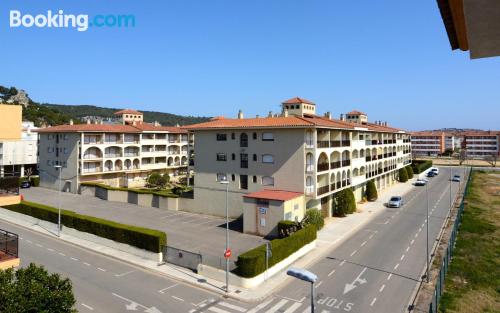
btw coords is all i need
(420, 182)
(25, 184)
(435, 170)
(395, 202)
(456, 178)
(431, 174)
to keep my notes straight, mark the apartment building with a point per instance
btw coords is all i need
(425, 144)
(18, 143)
(296, 151)
(481, 144)
(114, 154)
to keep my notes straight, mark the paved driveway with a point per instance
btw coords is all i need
(193, 232)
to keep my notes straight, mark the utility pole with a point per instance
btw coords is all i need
(59, 167)
(427, 237)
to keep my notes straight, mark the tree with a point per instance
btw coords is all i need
(403, 175)
(492, 159)
(158, 181)
(343, 202)
(371, 191)
(409, 171)
(28, 172)
(33, 289)
(314, 217)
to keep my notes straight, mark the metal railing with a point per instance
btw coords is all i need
(9, 244)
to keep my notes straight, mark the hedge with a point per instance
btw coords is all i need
(137, 191)
(7, 183)
(253, 262)
(403, 175)
(143, 238)
(314, 217)
(285, 228)
(419, 166)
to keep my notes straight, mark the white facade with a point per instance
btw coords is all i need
(16, 155)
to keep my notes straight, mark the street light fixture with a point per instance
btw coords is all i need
(427, 238)
(307, 276)
(59, 168)
(225, 181)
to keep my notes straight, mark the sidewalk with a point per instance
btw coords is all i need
(335, 232)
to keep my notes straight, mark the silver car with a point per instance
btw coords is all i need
(395, 202)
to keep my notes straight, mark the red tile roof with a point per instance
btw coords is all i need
(273, 194)
(355, 112)
(297, 100)
(110, 128)
(128, 111)
(427, 133)
(152, 127)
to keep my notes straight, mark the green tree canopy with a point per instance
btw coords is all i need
(33, 289)
(403, 175)
(409, 171)
(158, 181)
(371, 191)
(315, 217)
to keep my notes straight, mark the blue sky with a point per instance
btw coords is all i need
(391, 59)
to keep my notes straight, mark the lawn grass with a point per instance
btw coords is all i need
(473, 280)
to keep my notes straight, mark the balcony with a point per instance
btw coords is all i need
(323, 167)
(112, 155)
(346, 163)
(335, 143)
(309, 168)
(322, 190)
(346, 143)
(368, 158)
(92, 170)
(323, 144)
(309, 190)
(334, 165)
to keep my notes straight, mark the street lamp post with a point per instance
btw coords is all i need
(451, 180)
(427, 237)
(225, 181)
(307, 276)
(59, 167)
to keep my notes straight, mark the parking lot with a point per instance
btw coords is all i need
(188, 231)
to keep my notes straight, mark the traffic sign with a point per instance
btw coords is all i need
(227, 253)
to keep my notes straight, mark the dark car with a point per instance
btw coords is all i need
(25, 184)
(431, 174)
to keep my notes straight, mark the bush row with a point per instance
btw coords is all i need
(253, 262)
(137, 191)
(7, 183)
(419, 166)
(285, 228)
(143, 238)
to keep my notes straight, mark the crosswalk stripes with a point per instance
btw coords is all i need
(232, 306)
(272, 305)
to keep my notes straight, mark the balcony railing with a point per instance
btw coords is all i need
(368, 158)
(309, 190)
(92, 170)
(346, 163)
(346, 143)
(113, 155)
(336, 164)
(335, 143)
(323, 167)
(323, 190)
(9, 244)
(323, 143)
(332, 187)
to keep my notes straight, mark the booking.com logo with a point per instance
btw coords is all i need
(81, 22)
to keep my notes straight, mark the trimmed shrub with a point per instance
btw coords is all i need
(35, 181)
(409, 171)
(371, 191)
(253, 262)
(143, 238)
(314, 217)
(343, 202)
(419, 166)
(403, 175)
(286, 228)
(157, 181)
(8, 183)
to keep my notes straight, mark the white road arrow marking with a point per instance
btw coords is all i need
(351, 286)
(133, 306)
(152, 310)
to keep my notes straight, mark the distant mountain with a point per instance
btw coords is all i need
(44, 114)
(78, 112)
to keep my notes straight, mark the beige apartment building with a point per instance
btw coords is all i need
(295, 151)
(120, 155)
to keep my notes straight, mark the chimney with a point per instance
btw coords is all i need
(285, 113)
(270, 114)
(88, 121)
(328, 115)
(71, 122)
(157, 123)
(385, 123)
(101, 122)
(240, 114)
(257, 116)
(342, 118)
(96, 122)
(177, 125)
(133, 123)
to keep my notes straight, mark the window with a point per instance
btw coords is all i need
(296, 207)
(267, 181)
(65, 150)
(221, 177)
(233, 136)
(267, 137)
(255, 157)
(267, 158)
(233, 156)
(254, 179)
(254, 136)
(244, 160)
(233, 178)
(288, 216)
(243, 181)
(243, 140)
(221, 157)
(221, 137)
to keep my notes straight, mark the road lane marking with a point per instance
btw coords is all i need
(350, 286)
(123, 274)
(87, 306)
(364, 243)
(101, 269)
(381, 288)
(354, 252)
(217, 310)
(61, 254)
(402, 257)
(331, 273)
(293, 307)
(163, 290)
(371, 236)
(408, 249)
(389, 277)
(412, 241)
(177, 298)
(39, 245)
(373, 301)
(277, 306)
(233, 307)
(50, 249)
(74, 259)
(396, 266)
(342, 263)
(86, 263)
(318, 284)
(416, 235)
(260, 306)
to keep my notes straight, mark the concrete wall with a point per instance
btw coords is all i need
(10, 127)
(9, 200)
(67, 143)
(288, 169)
